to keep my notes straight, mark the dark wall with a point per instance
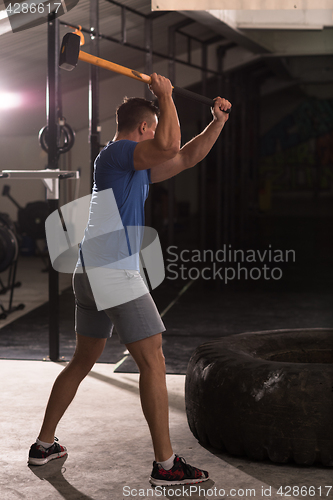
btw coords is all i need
(276, 187)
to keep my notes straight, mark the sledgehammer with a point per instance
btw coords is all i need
(70, 53)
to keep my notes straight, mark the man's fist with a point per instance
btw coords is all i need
(160, 85)
(221, 105)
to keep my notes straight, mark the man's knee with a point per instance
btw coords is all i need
(158, 360)
(88, 349)
(155, 367)
(154, 361)
(148, 354)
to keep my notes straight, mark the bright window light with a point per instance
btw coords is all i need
(10, 100)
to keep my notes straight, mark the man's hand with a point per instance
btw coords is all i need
(221, 105)
(160, 86)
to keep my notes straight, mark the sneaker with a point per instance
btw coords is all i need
(38, 455)
(181, 473)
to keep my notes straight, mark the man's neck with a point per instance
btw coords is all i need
(128, 136)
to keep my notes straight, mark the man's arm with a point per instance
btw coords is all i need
(166, 142)
(196, 149)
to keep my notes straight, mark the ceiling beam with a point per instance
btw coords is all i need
(226, 29)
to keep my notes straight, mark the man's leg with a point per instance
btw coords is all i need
(148, 355)
(88, 350)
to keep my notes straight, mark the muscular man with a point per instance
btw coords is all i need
(146, 148)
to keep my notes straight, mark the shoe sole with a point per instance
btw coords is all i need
(43, 461)
(162, 482)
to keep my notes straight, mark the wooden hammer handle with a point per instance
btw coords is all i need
(116, 68)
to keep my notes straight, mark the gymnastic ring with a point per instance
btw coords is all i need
(68, 138)
(265, 395)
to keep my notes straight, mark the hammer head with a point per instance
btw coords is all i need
(69, 53)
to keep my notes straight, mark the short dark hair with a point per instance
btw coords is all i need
(134, 111)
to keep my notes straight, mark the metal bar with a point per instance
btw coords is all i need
(149, 53)
(203, 167)
(255, 114)
(243, 159)
(136, 47)
(94, 135)
(182, 24)
(123, 25)
(219, 169)
(226, 173)
(247, 160)
(151, 15)
(209, 41)
(52, 111)
(233, 164)
(171, 182)
(247, 184)
(189, 37)
(127, 8)
(75, 26)
(253, 131)
(148, 34)
(171, 56)
(53, 102)
(171, 210)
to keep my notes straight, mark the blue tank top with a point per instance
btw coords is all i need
(115, 227)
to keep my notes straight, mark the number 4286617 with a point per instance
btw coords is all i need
(295, 491)
(32, 8)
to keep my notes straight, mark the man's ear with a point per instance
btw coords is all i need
(143, 127)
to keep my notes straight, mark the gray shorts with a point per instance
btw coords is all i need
(133, 320)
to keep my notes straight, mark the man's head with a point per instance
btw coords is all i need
(136, 113)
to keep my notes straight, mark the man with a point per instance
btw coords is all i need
(145, 149)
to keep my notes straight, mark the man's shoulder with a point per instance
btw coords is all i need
(114, 149)
(118, 155)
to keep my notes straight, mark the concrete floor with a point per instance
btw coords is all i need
(110, 453)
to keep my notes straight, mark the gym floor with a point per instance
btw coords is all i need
(99, 426)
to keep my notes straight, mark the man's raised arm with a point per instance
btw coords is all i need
(166, 143)
(197, 149)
